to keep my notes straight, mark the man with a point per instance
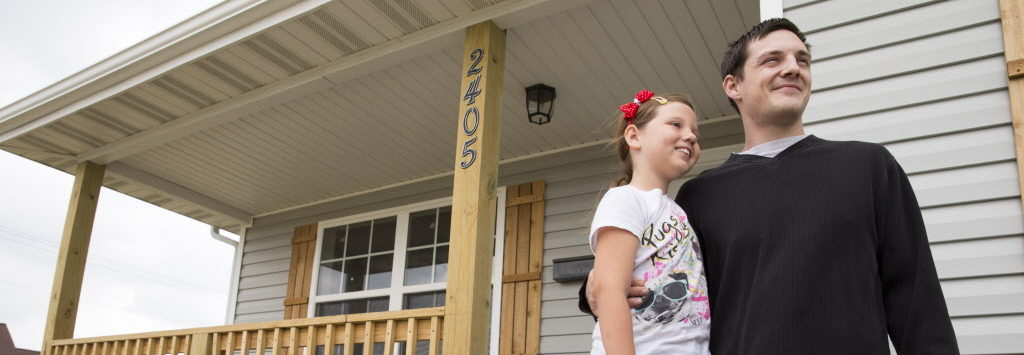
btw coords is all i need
(810, 246)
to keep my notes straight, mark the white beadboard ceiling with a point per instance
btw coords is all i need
(293, 114)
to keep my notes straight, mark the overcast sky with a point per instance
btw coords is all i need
(148, 269)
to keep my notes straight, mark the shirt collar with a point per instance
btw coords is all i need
(773, 148)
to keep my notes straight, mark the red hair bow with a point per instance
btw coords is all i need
(629, 110)
(643, 96)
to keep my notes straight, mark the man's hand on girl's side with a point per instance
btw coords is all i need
(634, 296)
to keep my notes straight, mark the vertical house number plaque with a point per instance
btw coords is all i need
(471, 118)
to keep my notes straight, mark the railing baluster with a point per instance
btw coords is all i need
(186, 345)
(275, 347)
(329, 339)
(215, 345)
(368, 338)
(292, 339)
(349, 344)
(244, 346)
(389, 338)
(311, 340)
(410, 337)
(229, 347)
(435, 324)
(260, 345)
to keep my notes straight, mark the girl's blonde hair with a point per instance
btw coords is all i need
(644, 114)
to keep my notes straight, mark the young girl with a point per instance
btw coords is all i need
(640, 233)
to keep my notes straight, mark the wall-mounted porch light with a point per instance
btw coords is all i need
(540, 100)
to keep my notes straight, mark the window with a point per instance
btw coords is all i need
(357, 256)
(388, 260)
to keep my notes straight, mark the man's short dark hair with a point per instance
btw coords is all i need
(736, 54)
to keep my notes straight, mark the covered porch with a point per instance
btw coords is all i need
(282, 113)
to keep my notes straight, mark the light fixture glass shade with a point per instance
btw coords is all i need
(540, 101)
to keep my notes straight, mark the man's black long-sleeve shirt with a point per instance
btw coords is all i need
(819, 250)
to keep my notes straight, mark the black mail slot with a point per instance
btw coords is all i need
(573, 269)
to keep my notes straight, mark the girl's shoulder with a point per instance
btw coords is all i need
(628, 195)
(630, 190)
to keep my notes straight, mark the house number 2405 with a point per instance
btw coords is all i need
(471, 118)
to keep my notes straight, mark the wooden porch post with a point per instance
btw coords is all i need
(467, 302)
(1011, 13)
(74, 245)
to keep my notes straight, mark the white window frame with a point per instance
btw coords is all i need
(395, 299)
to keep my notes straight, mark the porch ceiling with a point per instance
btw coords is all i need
(358, 94)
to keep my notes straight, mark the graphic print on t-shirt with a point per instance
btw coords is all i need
(675, 278)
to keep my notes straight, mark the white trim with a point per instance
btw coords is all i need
(497, 269)
(340, 221)
(165, 41)
(236, 266)
(401, 237)
(771, 9)
(310, 305)
(201, 35)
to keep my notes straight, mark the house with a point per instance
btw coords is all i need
(323, 131)
(7, 344)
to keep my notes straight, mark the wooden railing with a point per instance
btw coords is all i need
(334, 335)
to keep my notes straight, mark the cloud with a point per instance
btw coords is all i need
(148, 268)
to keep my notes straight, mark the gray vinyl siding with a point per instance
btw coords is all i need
(927, 79)
(570, 201)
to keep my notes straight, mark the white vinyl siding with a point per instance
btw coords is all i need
(927, 79)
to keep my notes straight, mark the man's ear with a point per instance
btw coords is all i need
(729, 85)
(632, 136)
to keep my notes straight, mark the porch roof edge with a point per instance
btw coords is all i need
(204, 33)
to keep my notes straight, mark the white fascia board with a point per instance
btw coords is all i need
(357, 64)
(126, 172)
(203, 34)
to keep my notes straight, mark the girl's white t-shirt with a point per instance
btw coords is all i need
(675, 317)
